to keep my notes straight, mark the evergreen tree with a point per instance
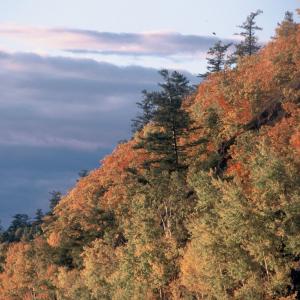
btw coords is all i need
(288, 26)
(39, 216)
(249, 45)
(216, 59)
(19, 229)
(54, 200)
(83, 173)
(170, 122)
(1, 233)
(147, 107)
(36, 224)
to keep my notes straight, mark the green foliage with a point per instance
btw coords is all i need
(54, 200)
(216, 220)
(245, 234)
(216, 59)
(99, 264)
(249, 45)
(170, 122)
(20, 228)
(154, 229)
(147, 108)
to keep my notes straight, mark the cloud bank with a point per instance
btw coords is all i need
(59, 115)
(106, 43)
(63, 102)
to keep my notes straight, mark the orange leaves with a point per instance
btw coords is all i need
(286, 132)
(54, 239)
(114, 171)
(247, 124)
(235, 168)
(295, 141)
(25, 274)
(103, 189)
(241, 94)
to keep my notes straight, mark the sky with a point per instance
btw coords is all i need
(71, 72)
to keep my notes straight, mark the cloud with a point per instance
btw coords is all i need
(77, 41)
(64, 102)
(59, 115)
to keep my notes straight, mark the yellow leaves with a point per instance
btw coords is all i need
(100, 264)
(143, 248)
(242, 220)
(69, 285)
(194, 270)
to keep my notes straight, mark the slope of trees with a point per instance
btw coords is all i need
(218, 217)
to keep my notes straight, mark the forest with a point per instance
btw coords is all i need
(203, 202)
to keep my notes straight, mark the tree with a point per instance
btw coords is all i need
(287, 26)
(36, 224)
(19, 229)
(145, 266)
(147, 107)
(83, 173)
(1, 233)
(249, 45)
(244, 236)
(170, 122)
(216, 59)
(54, 200)
(28, 273)
(39, 216)
(100, 263)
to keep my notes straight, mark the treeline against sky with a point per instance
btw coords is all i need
(202, 203)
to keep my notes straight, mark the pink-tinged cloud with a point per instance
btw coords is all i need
(87, 41)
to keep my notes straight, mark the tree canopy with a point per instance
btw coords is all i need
(161, 219)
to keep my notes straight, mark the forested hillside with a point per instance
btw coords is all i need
(202, 203)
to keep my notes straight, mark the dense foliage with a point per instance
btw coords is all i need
(202, 203)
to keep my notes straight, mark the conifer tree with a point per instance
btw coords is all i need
(1, 233)
(216, 59)
(55, 198)
(170, 122)
(36, 224)
(287, 26)
(83, 173)
(18, 229)
(39, 216)
(249, 45)
(147, 107)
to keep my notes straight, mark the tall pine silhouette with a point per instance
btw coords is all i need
(170, 122)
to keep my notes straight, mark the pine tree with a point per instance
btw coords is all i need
(39, 216)
(249, 45)
(18, 229)
(36, 224)
(83, 173)
(216, 59)
(1, 233)
(170, 122)
(56, 196)
(147, 107)
(287, 26)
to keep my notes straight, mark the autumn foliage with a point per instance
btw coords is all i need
(225, 227)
